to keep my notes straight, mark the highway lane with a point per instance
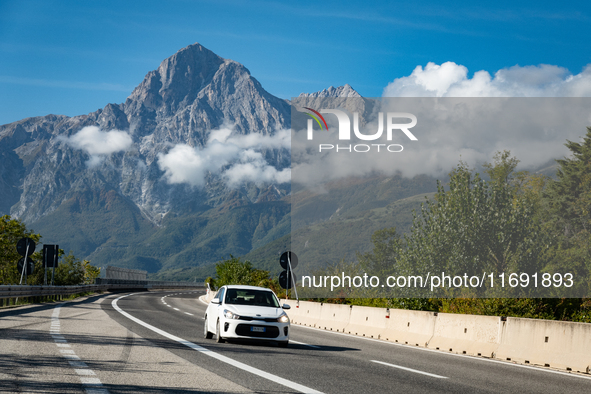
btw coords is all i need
(334, 363)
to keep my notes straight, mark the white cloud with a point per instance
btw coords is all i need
(236, 157)
(531, 111)
(448, 130)
(451, 80)
(253, 168)
(533, 141)
(98, 143)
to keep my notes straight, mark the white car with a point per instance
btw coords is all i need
(246, 312)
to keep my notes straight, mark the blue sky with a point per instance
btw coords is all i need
(73, 57)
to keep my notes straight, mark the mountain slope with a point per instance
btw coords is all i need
(103, 206)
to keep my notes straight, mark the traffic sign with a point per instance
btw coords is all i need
(285, 280)
(50, 255)
(30, 266)
(293, 259)
(23, 243)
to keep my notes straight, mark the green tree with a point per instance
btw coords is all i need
(502, 169)
(70, 271)
(11, 230)
(387, 246)
(568, 214)
(236, 272)
(478, 226)
(569, 196)
(90, 272)
(471, 227)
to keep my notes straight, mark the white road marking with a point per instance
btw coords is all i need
(94, 381)
(92, 385)
(86, 372)
(176, 309)
(217, 356)
(187, 313)
(447, 354)
(305, 344)
(409, 369)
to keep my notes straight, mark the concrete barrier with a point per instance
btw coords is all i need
(367, 321)
(334, 317)
(304, 313)
(466, 334)
(561, 345)
(295, 311)
(410, 327)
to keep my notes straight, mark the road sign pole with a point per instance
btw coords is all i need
(287, 278)
(55, 256)
(44, 266)
(292, 277)
(24, 267)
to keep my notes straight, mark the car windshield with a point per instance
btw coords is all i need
(251, 297)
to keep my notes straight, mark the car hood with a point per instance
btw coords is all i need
(253, 311)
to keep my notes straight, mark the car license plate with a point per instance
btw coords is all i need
(257, 329)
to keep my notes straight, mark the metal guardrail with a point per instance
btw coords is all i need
(151, 283)
(14, 291)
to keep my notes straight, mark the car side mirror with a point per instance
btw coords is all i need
(285, 306)
(215, 301)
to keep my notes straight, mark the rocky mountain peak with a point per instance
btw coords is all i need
(194, 91)
(341, 91)
(178, 79)
(51, 173)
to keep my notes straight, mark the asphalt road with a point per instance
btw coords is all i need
(322, 361)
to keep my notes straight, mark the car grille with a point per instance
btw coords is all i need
(265, 319)
(244, 330)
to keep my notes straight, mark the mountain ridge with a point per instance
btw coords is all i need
(121, 207)
(174, 104)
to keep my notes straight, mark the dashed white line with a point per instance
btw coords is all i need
(86, 372)
(409, 369)
(91, 385)
(305, 344)
(94, 381)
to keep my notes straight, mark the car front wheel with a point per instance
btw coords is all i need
(218, 336)
(283, 343)
(206, 333)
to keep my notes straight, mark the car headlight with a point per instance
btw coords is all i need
(229, 315)
(283, 319)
